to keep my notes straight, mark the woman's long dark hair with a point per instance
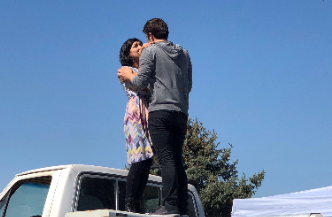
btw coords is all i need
(125, 59)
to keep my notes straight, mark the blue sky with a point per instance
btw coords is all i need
(261, 79)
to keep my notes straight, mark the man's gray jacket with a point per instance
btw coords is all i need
(166, 69)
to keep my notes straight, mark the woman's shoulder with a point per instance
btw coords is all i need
(132, 68)
(128, 85)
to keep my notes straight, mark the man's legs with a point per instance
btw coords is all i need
(179, 133)
(160, 128)
(167, 130)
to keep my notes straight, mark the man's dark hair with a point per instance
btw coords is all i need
(125, 59)
(157, 27)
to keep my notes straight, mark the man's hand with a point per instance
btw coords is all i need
(125, 74)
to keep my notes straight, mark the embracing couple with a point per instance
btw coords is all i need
(157, 78)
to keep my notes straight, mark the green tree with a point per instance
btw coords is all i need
(209, 169)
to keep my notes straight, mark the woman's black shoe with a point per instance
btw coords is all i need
(130, 205)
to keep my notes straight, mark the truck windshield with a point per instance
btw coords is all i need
(28, 199)
(3, 204)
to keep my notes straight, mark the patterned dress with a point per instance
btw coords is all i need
(138, 142)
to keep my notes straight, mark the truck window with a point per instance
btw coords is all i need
(105, 192)
(28, 198)
(121, 195)
(150, 199)
(96, 193)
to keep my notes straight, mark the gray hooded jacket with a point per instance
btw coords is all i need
(166, 68)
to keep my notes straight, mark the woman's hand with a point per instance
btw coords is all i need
(145, 46)
(126, 74)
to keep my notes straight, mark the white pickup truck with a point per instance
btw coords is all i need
(79, 191)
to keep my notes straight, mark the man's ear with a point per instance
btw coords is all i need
(151, 37)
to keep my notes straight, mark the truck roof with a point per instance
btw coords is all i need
(53, 168)
(78, 168)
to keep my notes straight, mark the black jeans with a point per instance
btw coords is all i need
(137, 178)
(167, 130)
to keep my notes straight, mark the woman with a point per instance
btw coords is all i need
(138, 143)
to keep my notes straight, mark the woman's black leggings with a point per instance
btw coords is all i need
(137, 178)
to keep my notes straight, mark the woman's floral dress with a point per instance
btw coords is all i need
(138, 142)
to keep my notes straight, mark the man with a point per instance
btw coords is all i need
(166, 69)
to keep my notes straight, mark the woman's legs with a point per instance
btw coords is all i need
(144, 178)
(136, 181)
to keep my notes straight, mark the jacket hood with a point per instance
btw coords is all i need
(172, 50)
